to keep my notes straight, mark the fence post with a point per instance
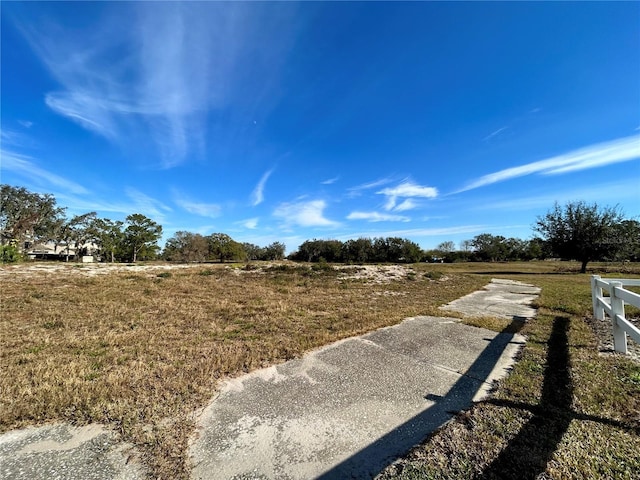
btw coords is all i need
(617, 307)
(596, 296)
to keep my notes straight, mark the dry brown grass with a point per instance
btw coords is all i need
(142, 351)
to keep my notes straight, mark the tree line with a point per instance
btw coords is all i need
(193, 247)
(575, 231)
(29, 219)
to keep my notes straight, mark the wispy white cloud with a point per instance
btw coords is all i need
(417, 232)
(78, 199)
(330, 181)
(377, 217)
(257, 196)
(406, 189)
(28, 168)
(304, 214)
(611, 192)
(493, 134)
(146, 205)
(133, 201)
(155, 71)
(357, 190)
(211, 210)
(598, 155)
(13, 139)
(250, 223)
(408, 204)
(79, 204)
(25, 123)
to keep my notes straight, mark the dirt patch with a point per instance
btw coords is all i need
(376, 273)
(84, 269)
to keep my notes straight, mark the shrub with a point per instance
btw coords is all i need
(9, 254)
(433, 275)
(322, 266)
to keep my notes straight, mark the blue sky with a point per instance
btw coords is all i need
(284, 121)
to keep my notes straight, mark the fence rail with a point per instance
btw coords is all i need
(613, 306)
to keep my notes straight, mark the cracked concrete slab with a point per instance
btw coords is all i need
(501, 298)
(61, 451)
(351, 408)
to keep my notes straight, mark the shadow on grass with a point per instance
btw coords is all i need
(371, 460)
(526, 456)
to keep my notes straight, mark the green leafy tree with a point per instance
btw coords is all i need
(627, 238)
(357, 251)
(223, 247)
(83, 232)
(381, 250)
(536, 249)
(395, 249)
(391, 249)
(108, 235)
(490, 248)
(141, 236)
(411, 252)
(581, 231)
(274, 251)
(186, 247)
(331, 251)
(317, 250)
(311, 250)
(74, 233)
(515, 249)
(457, 256)
(27, 217)
(253, 252)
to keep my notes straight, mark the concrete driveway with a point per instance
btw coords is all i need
(351, 408)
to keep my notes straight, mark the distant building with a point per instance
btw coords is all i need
(58, 251)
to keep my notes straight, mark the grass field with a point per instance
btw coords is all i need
(566, 411)
(141, 351)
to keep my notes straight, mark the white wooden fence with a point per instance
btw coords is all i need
(613, 306)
